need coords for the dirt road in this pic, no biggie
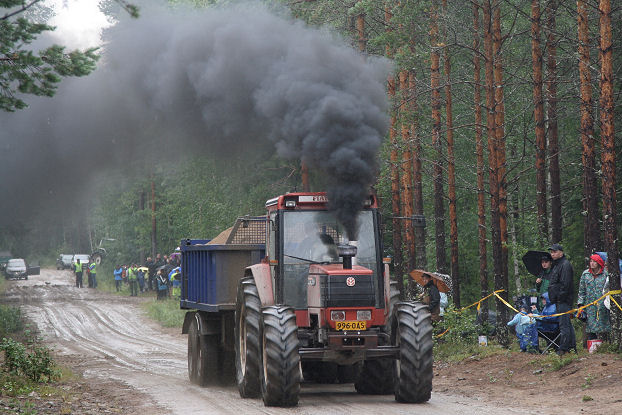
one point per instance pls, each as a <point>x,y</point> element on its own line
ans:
<point>107,337</point>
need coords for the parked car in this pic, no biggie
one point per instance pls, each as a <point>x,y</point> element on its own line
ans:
<point>4,258</point>
<point>84,258</point>
<point>17,268</point>
<point>64,261</point>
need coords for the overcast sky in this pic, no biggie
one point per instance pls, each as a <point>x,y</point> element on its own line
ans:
<point>79,23</point>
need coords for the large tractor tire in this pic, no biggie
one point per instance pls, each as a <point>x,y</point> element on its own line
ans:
<point>247,338</point>
<point>280,362</point>
<point>376,376</point>
<point>97,257</point>
<point>203,356</point>
<point>413,370</point>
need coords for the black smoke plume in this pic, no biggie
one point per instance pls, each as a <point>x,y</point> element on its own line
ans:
<point>216,80</point>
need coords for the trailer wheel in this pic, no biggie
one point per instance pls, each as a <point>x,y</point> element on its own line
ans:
<point>208,360</point>
<point>413,370</point>
<point>193,352</point>
<point>247,329</point>
<point>281,372</point>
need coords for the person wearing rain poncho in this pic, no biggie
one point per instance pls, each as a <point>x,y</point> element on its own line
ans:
<point>175,278</point>
<point>591,287</point>
<point>526,331</point>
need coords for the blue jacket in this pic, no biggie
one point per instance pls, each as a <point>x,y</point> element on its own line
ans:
<point>548,324</point>
<point>525,331</point>
<point>118,274</point>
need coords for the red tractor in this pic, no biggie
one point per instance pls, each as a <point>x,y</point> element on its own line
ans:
<point>323,307</point>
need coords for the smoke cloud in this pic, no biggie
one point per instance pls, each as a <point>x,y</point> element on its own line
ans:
<point>215,81</point>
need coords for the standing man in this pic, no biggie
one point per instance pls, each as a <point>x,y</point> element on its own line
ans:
<point>92,274</point>
<point>132,278</point>
<point>432,297</point>
<point>77,268</point>
<point>561,293</point>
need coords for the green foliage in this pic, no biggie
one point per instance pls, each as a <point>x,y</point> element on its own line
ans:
<point>166,312</point>
<point>10,320</point>
<point>34,362</point>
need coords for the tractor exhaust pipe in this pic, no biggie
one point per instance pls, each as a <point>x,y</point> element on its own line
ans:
<point>347,252</point>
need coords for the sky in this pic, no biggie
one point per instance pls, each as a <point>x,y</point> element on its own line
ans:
<point>79,23</point>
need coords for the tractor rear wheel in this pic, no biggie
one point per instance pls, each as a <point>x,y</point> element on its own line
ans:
<point>280,362</point>
<point>413,370</point>
<point>208,359</point>
<point>247,332</point>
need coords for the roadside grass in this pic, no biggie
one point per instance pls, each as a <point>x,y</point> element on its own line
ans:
<point>166,312</point>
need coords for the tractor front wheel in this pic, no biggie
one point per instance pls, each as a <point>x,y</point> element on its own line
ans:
<point>413,370</point>
<point>281,372</point>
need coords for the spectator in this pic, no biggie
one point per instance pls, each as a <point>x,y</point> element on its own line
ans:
<point>162,284</point>
<point>432,297</point>
<point>151,266</point>
<point>92,274</point>
<point>77,268</point>
<point>526,331</point>
<point>118,277</point>
<point>561,293</point>
<point>175,279</point>
<point>132,278</point>
<point>140,273</point>
<point>591,286</point>
<point>543,280</point>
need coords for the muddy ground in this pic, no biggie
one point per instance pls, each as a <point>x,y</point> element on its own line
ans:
<point>127,364</point>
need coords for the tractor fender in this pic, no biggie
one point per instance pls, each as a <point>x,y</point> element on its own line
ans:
<point>263,280</point>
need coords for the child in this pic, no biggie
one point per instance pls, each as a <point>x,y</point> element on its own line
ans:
<point>525,330</point>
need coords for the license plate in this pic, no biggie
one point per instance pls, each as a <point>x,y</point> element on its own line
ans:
<point>351,325</point>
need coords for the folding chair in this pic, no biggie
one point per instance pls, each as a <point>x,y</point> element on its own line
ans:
<point>548,330</point>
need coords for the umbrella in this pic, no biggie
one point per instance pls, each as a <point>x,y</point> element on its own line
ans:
<point>143,269</point>
<point>437,279</point>
<point>533,261</point>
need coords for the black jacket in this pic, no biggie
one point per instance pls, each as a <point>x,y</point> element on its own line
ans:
<point>561,288</point>
<point>435,297</point>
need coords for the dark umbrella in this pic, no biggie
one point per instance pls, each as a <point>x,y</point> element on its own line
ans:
<point>533,261</point>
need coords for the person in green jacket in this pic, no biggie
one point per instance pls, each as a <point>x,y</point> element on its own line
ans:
<point>543,280</point>
<point>132,278</point>
<point>77,268</point>
<point>92,274</point>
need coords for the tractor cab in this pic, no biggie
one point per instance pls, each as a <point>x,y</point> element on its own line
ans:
<point>331,282</point>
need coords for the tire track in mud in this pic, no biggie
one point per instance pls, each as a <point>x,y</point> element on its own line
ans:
<point>111,339</point>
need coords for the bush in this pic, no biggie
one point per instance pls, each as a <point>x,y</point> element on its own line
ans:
<point>37,364</point>
<point>10,320</point>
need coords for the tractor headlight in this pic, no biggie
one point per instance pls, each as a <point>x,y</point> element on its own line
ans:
<point>363,315</point>
<point>337,315</point>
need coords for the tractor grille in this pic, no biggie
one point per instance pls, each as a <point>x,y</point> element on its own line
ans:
<point>337,293</point>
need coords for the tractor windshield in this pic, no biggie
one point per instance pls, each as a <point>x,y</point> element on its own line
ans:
<point>313,236</point>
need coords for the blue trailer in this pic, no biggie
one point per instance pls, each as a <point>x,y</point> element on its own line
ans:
<point>211,271</point>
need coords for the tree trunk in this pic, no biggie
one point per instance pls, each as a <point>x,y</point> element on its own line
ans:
<point>591,226</point>
<point>439,203</point>
<point>495,229</point>
<point>536,59</point>
<point>420,232</point>
<point>451,174</point>
<point>406,170</point>
<point>154,243</point>
<point>360,31</point>
<point>551,84</point>
<point>609,164</point>
<point>395,175</point>
<point>479,150</point>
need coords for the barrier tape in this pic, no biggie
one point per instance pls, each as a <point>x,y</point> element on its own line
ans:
<point>609,294</point>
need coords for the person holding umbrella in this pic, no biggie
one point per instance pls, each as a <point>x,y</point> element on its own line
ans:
<point>544,277</point>
<point>432,297</point>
